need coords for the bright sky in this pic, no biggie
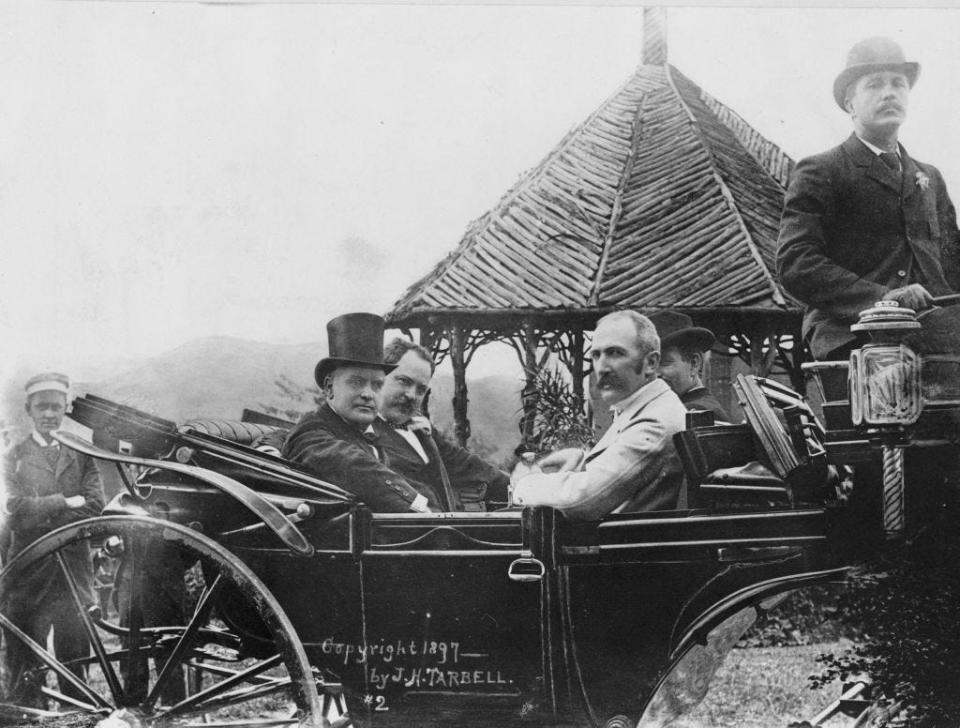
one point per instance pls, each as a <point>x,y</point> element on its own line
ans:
<point>176,170</point>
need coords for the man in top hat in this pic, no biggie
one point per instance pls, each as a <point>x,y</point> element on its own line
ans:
<point>463,480</point>
<point>865,221</point>
<point>684,349</point>
<point>634,466</point>
<point>339,442</point>
<point>48,486</point>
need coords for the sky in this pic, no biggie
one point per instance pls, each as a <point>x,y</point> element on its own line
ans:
<point>176,170</point>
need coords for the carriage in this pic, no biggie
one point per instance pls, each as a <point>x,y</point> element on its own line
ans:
<point>236,589</point>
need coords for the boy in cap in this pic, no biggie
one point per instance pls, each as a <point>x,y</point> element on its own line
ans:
<point>47,486</point>
<point>865,221</point>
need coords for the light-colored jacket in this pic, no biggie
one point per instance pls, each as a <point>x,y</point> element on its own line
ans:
<point>634,466</point>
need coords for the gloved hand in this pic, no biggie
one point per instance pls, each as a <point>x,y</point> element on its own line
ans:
<point>913,296</point>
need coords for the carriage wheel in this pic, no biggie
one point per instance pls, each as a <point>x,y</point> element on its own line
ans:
<point>156,647</point>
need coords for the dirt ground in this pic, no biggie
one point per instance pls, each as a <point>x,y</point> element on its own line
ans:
<point>762,687</point>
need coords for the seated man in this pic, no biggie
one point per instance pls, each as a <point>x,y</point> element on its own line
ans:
<point>416,450</point>
<point>683,354</point>
<point>865,221</point>
<point>634,466</point>
<point>338,442</point>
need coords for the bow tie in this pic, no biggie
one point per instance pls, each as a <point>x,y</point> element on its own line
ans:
<point>370,436</point>
<point>402,426</point>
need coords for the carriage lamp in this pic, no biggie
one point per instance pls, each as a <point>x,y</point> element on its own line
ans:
<point>885,385</point>
<point>885,373</point>
<point>885,393</point>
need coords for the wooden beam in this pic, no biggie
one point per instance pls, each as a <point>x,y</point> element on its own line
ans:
<point>461,425</point>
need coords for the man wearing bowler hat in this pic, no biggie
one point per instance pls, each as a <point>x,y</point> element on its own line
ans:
<point>339,442</point>
<point>865,221</point>
<point>683,354</point>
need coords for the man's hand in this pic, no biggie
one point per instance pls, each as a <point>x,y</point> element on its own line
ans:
<point>75,501</point>
<point>561,461</point>
<point>419,423</point>
<point>913,296</point>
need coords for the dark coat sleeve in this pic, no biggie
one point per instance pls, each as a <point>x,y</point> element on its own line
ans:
<point>350,466</point>
<point>469,473</point>
<point>89,485</point>
<point>805,266</point>
<point>949,233</point>
<point>26,507</point>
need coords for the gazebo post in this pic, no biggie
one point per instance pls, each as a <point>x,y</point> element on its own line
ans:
<point>530,388</point>
<point>427,338</point>
<point>576,364</point>
<point>461,424</point>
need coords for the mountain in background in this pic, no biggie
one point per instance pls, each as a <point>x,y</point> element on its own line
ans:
<point>220,376</point>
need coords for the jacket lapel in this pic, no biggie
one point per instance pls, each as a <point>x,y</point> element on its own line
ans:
<point>871,165</point>
<point>67,458</point>
<point>910,174</point>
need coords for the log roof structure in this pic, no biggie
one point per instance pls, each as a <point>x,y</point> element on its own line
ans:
<point>663,198</point>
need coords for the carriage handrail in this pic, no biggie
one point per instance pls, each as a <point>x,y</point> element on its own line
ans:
<point>263,509</point>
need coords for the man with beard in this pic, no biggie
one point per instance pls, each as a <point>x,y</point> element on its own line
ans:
<point>634,466</point>
<point>339,442</point>
<point>460,479</point>
<point>866,222</point>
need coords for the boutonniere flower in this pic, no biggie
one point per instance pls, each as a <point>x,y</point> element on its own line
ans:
<point>922,181</point>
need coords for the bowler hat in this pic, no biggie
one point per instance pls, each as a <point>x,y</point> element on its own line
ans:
<point>354,339</point>
<point>867,56</point>
<point>677,330</point>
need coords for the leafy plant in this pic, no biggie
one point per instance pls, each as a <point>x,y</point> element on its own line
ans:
<point>559,419</point>
<point>907,607</point>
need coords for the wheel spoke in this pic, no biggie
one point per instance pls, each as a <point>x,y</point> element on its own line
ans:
<point>53,663</point>
<point>244,723</point>
<point>108,673</point>
<point>63,698</point>
<point>136,663</point>
<point>199,698</point>
<point>250,693</point>
<point>219,670</point>
<point>205,604</point>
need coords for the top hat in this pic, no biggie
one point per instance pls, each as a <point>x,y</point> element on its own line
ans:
<point>48,382</point>
<point>867,56</point>
<point>677,330</point>
<point>354,339</point>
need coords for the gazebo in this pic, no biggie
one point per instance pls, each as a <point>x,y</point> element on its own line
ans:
<point>663,198</point>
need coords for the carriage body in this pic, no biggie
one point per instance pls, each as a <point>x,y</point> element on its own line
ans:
<point>517,616</point>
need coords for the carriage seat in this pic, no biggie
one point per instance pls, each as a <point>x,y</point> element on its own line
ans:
<point>773,460</point>
<point>242,433</point>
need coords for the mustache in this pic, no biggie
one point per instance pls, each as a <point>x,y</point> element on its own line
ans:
<point>608,379</point>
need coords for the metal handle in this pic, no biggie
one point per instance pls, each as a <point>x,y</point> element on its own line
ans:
<point>526,569</point>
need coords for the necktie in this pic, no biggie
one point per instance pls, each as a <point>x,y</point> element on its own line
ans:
<point>892,160</point>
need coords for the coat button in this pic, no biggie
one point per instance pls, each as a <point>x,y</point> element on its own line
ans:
<point>902,273</point>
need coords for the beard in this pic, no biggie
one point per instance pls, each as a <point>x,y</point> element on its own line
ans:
<point>401,409</point>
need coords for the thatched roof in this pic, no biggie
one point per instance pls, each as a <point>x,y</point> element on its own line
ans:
<point>662,198</point>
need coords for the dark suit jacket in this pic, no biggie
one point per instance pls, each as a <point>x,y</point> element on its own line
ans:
<point>325,444</point>
<point>36,504</point>
<point>473,479</point>
<point>700,398</point>
<point>851,232</point>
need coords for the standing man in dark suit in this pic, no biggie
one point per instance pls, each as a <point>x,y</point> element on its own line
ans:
<point>48,486</point>
<point>683,356</point>
<point>464,481</point>
<point>865,222</point>
<point>338,442</point>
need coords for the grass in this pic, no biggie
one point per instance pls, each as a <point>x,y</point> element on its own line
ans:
<point>766,687</point>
